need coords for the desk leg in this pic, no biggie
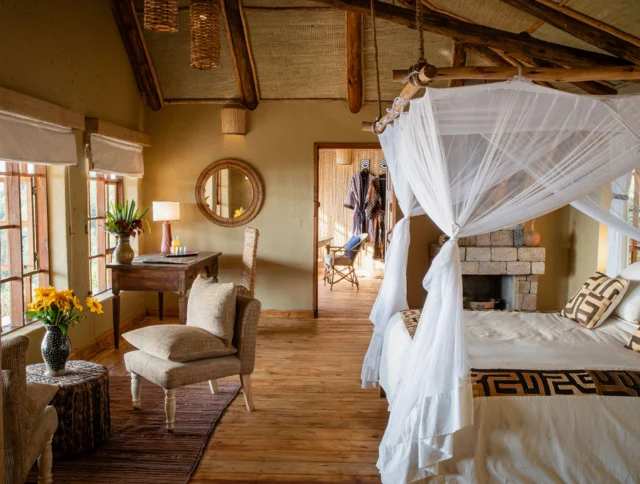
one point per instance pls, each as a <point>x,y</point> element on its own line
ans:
<point>116,319</point>
<point>182,308</point>
<point>160,305</point>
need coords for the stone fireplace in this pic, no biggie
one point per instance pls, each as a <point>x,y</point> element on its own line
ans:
<point>499,266</point>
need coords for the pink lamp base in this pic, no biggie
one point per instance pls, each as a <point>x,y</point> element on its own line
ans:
<point>165,248</point>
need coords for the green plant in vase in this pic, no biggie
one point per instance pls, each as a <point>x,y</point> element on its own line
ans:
<point>125,221</point>
<point>58,310</point>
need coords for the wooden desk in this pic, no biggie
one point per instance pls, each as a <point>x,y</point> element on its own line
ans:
<point>166,276</point>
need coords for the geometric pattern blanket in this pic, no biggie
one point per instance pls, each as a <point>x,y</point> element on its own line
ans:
<point>510,382</point>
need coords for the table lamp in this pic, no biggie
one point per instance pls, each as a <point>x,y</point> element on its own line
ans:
<point>166,212</point>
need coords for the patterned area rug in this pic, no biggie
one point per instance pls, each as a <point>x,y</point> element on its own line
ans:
<point>140,450</point>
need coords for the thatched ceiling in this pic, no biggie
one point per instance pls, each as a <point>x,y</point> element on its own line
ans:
<point>300,54</point>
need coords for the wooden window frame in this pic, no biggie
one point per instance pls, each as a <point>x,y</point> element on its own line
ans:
<point>103,181</point>
<point>36,222</point>
<point>634,245</point>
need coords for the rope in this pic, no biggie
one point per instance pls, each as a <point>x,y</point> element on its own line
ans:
<point>421,59</point>
<point>375,51</point>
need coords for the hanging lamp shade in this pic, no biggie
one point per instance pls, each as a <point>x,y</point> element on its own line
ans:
<point>161,15</point>
<point>343,157</point>
<point>234,120</point>
<point>205,34</point>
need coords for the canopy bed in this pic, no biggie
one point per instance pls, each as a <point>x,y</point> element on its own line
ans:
<point>477,159</point>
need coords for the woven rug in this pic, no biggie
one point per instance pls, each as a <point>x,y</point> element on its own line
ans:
<point>140,450</point>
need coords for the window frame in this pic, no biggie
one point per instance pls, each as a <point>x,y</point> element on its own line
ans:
<point>37,225</point>
<point>104,249</point>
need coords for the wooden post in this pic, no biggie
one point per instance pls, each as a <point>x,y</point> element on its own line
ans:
<point>458,59</point>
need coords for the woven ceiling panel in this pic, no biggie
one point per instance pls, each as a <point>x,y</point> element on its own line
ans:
<point>398,49</point>
<point>280,3</point>
<point>621,14</point>
<point>491,13</point>
<point>299,54</point>
<point>178,80</point>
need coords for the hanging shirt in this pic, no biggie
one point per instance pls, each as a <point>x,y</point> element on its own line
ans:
<point>363,197</point>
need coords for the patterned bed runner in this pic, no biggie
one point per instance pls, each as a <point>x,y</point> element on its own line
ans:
<point>509,383</point>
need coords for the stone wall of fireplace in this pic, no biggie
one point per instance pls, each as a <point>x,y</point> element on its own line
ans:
<point>504,254</point>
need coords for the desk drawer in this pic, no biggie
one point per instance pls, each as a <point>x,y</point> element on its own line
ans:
<point>155,280</point>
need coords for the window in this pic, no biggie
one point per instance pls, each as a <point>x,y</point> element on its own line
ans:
<point>103,191</point>
<point>24,239</point>
<point>634,205</point>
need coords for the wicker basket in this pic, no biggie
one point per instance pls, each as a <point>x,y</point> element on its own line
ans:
<point>205,34</point>
<point>161,15</point>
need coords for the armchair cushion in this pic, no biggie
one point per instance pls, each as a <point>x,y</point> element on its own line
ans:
<point>39,395</point>
<point>176,342</point>
<point>212,307</point>
<point>353,242</point>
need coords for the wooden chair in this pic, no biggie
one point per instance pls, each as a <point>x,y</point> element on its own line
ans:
<point>338,263</point>
<point>249,256</point>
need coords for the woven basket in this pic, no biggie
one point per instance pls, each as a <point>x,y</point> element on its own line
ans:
<point>161,15</point>
<point>205,34</point>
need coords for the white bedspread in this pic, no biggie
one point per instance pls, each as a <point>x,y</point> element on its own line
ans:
<point>578,439</point>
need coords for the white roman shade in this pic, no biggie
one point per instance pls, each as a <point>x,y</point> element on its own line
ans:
<point>27,140</point>
<point>109,155</point>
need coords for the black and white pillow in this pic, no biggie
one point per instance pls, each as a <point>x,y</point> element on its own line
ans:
<point>595,300</point>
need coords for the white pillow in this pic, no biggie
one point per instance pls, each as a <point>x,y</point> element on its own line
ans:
<point>629,307</point>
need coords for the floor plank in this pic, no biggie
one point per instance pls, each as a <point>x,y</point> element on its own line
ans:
<point>313,422</point>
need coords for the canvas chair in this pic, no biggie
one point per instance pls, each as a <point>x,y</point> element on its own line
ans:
<point>29,420</point>
<point>339,262</point>
<point>249,257</point>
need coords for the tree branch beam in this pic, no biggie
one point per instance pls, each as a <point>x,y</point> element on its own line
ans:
<point>458,59</point>
<point>466,32</point>
<point>593,35</point>
<point>136,48</point>
<point>238,38</point>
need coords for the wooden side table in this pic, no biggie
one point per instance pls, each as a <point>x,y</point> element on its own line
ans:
<point>153,272</point>
<point>82,403</point>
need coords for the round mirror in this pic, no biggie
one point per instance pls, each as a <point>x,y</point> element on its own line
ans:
<point>229,193</point>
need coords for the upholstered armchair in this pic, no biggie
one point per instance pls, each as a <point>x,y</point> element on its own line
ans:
<point>29,423</point>
<point>172,356</point>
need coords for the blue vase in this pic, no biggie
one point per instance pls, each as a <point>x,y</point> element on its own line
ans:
<point>56,348</point>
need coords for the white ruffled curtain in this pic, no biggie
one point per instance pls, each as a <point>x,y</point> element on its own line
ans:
<point>479,159</point>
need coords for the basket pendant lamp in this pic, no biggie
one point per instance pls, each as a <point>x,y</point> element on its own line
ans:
<point>205,34</point>
<point>161,15</point>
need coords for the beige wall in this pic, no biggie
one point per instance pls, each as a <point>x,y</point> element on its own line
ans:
<point>69,52</point>
<point>584,241</point>
<point>279,144</point>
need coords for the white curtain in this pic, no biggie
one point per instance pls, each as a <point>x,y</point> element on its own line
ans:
<point>478,159</point>
<point>28,140</point>
<point>392,296</point>
<point>109,155</point>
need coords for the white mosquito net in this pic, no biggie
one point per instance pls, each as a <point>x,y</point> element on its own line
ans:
<point>478,159</point>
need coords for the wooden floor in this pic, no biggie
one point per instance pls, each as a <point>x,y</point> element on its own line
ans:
<point>312,421</point>
<point>346,301</point>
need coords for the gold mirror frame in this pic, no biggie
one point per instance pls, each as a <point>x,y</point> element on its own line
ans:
<point>256,185</point>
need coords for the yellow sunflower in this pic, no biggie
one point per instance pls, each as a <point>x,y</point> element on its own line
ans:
<point>93,304</point>
<point>76,303</point>
<point>44,292</point>
<point>61,300</point>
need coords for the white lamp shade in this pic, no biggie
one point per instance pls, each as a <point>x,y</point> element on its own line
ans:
<point>166,211</point>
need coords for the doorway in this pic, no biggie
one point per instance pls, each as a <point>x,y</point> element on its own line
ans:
<point>350,174</point>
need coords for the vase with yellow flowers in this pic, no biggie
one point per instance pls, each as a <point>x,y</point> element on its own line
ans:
<point>58,310</point>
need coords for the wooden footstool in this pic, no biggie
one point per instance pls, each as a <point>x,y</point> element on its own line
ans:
<point>82,403</point>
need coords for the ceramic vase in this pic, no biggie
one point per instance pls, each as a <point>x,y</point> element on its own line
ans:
<point>123,253</point>
<point>532,236</point>
<point>55,348</point>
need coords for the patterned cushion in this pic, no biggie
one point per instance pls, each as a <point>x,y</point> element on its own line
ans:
<point>176,342</point>
<point>212,307</point>
<point>634,341</point>
<point>411,318</point>
<point>595,300</point>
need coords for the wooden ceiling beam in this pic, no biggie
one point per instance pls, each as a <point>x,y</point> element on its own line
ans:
<point>583,31</point>
<point>466,32</point>
<point>238,37</point>
<point>136,48</point>
<point>550,74</point>
<point>355,69</point>
<point>458,59</point>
